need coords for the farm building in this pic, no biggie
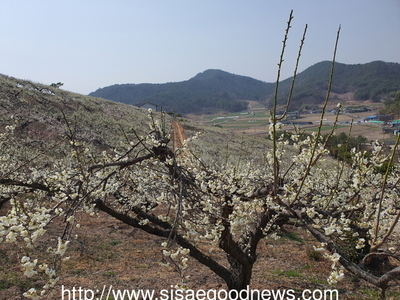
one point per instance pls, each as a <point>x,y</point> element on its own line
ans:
<point>293,115</point>
<point>147,105</point>
<point>383,118</point>
<point>396,123</point>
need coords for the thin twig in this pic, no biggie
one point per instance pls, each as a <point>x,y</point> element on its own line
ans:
<point>379,210</point>
<point>313,160</point>
<point>275,103</point>
<point>294,76</point>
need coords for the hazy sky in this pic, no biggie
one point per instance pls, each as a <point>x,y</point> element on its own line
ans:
<point>87,44</point>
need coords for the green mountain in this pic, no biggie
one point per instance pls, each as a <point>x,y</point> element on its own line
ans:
<point>214,90</point>
<point>204,93</point>
<point>370,81</point>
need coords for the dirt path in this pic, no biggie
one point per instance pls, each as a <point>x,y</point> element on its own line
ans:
<point>178,134</point>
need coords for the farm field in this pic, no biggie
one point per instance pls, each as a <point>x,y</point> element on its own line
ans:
<point>254,121</point>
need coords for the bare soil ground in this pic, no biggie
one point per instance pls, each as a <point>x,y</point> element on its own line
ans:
<point>110,253</point>
<point>178,134</point>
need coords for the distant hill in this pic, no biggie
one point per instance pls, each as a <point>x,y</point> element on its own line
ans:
<point>214,90</point>
<point>204,93</point>
<point>370,81</point>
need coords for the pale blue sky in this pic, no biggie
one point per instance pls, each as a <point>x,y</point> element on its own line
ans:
<point>87,44</point>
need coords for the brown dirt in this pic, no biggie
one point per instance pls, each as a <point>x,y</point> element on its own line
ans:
<point>178,134</point>
<point>110,253</point>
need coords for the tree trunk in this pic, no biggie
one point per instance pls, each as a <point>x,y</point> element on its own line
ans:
<point>240,275</point>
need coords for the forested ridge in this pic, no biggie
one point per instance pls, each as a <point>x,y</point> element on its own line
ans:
<point>371,81</point>
<point>214,90</point>
<point>206,92</point>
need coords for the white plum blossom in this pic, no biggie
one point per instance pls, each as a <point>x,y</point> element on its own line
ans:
<point>206,196</point>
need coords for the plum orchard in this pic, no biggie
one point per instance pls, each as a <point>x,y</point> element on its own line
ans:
<point>230,204</point>
<point>192,197</point>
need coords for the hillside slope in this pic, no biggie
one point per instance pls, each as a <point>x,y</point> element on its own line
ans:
<point>43,113</point>
<point>214,90</point>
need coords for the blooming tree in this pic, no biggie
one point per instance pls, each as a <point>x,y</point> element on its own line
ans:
<point>228,202</point>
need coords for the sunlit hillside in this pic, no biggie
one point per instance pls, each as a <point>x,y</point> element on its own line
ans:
<point>42,112</point>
